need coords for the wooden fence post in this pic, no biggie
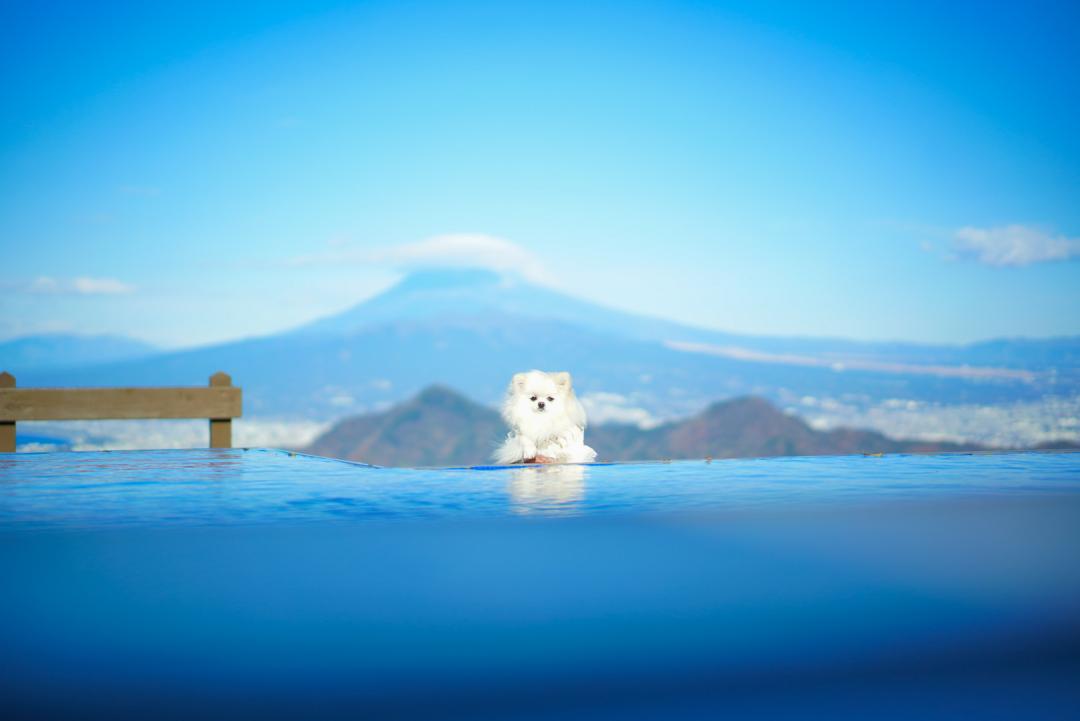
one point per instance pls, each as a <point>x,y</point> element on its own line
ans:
<point>7,428</point>
<point>220,428</point>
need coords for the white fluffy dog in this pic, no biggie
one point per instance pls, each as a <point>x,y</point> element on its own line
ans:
<point>547,422</point>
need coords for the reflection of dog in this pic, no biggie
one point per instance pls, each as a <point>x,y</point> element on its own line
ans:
<point>547,489</point>
<point>547,422</point>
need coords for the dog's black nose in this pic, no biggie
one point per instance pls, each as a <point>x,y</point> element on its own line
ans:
<point>541,404</point>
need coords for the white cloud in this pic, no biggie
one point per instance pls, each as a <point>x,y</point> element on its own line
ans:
<point>1013,245</point>
<point>457,250</point>
<point>44,284</point>
<point>101,286</point>
<point>462,249</point>
<point>82,285</point>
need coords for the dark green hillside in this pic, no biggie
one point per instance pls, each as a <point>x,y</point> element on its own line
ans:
<point>440,428</point>
<point>436,428</point>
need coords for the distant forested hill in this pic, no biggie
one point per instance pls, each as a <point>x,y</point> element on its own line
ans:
<point>439,427</point>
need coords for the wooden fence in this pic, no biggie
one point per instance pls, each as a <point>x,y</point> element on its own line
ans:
<point>220,402</point>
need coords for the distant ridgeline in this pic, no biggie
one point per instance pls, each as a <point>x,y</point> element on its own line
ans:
<point>439,427</point>
<point>68,351</point>
<point>471,330</point>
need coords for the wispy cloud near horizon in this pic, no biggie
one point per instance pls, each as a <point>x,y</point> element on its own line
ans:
<point>82,285</point>
<point>1013,246</point>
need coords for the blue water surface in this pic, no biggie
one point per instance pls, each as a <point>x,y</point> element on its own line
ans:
<point>267,584</point>
<point>224,486</point>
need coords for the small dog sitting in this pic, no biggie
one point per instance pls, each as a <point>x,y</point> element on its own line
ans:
<point>547,422</point>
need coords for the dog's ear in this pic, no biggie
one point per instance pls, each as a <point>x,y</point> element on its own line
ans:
<point>562,379</point>
<point>518,381</point>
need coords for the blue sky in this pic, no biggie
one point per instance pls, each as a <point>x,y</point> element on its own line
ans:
<point>187,173</point>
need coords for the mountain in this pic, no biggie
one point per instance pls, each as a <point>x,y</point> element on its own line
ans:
<point>472,329</point>
<point>467,295</point>
<point>439,427</point>
<point>747,427</point>
<point>454,296</point>
<point>436,428</point>
<point>37,352</point>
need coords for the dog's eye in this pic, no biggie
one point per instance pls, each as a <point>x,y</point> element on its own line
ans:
<point>533,398</point>
<point>550,398</point>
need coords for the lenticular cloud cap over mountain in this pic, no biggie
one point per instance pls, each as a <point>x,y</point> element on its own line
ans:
<point>464,250</point>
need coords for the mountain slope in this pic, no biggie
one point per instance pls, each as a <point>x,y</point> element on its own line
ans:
<point>474,329</point>
<point>442,428</point>
<point>52,350</point>
<point>454,295</point>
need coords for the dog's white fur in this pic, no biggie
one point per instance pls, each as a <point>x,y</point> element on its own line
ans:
<point>547,422</point>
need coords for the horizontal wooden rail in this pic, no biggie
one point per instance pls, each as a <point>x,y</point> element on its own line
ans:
<point>93,404</point>
<point>220,403</point>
